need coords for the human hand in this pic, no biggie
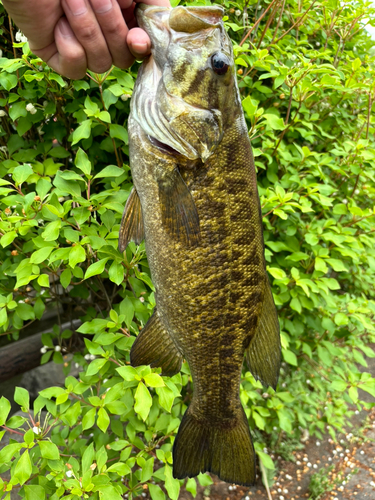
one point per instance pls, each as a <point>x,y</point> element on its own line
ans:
<point>75,35</point>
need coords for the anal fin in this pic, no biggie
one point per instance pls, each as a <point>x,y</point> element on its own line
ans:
<point>179,213</point>
<point>131,228</point>
<point>264,352</point>
<point>155,347</point>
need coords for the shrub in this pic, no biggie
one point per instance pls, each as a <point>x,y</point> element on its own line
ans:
<point>306,73</point>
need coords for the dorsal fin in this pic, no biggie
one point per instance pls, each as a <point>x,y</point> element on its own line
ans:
<point>193,19</point>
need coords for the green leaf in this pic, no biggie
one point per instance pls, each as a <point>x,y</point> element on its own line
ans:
<point>43,280</point>
<point>4,410</point>
<point>103,420</point>
<point>22,173</point>
<point>290,357</point>
<point>118,132</point>
<point>8,238</point>
<point>110,171</point>
<point>275,122</point>
<point>77,254</point>
<point>143,401</point>
<point>116,273</point>
<point>250,106</point>
<point>341,319</point>
<point>266,460</point>
<point>89,419</point>
<point>65,277</point>
<point>21,396</point>
<point>276,272</point>
<point>156,492</point>
<point>40,255</point>
<point>95,366</point>
<point>49,450</point>
<point>82,132</point>
<point>23,469</point>
<point>172,485</point>
<point>154,380</point>
<point>82,162</point>
<point>96,268</point>
<point>34,492</point>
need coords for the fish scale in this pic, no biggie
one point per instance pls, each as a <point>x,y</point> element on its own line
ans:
<point>195,198</point>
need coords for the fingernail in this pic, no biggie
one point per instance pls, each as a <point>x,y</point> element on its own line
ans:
<point>140,48</point>
<point>102,6</point>
<point>65,28</point>
<point>78,7</point>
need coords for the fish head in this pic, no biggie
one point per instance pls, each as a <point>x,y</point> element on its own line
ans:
<point>186,91</point>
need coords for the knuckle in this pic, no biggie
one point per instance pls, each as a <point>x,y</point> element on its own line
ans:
<point>87,34</point>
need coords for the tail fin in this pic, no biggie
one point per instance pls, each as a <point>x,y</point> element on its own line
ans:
<point>224,448</point>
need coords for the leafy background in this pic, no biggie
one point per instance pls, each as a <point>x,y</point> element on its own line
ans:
<point>306,75</point>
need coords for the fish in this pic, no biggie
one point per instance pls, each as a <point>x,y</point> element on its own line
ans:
<point>196,205</point>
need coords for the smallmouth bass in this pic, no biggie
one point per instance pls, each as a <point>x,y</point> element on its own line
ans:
<point>195,202</point>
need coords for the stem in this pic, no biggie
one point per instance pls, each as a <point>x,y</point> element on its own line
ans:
<point>258,21</point>
<point>265,479</point>
<point>297,23</point>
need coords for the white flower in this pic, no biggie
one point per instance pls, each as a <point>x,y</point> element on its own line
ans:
<point>293,57</point>
<point>57,348</point>
<point>238,12</point>
<point>87,357</point>
<point>92,357</point>
<point>2,113</point>
<point>317,44</point>
<point>76,365</point>
<point>125,97</point>
<point>345,201</point>
<point>20,37</point>
<point>36,430</point>
<point>43,350</point>
<point>308,464</point>
<point>30,108</point>
<point>317,443</point>
<point>69,473</point>
<point>329,459</point>
<point>315,466</point>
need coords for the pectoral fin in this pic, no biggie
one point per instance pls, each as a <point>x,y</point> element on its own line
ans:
<point>264,352</point>
<point>131,228</point>
<point>179,213</point>
<point>155,347</point>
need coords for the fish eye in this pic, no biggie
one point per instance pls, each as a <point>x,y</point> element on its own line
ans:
<point>220,63</point>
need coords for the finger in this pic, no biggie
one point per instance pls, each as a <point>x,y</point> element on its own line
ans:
<point>139,43</point>
<point>114,29</point>
<point>66,55</point>
<point>160,3</point>
<point>86,28</point>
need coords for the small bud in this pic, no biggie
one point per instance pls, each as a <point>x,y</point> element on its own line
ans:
<point>231,11</point>
<point>14,252</point>
<point>108,446</point>
<point>282,96</point>
<point>90,208</point>
<point>36,198</point>
<point>240,71</point>
<point>125,97</point>
<point>7,211</point>
<point>93,466</point>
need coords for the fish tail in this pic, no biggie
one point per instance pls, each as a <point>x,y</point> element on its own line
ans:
<point>223,448</point>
